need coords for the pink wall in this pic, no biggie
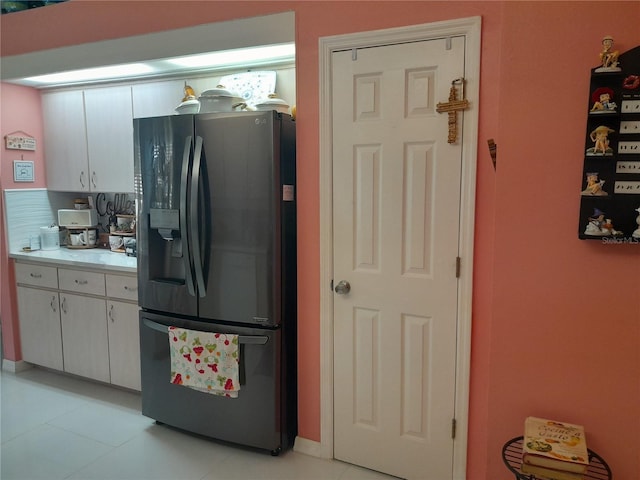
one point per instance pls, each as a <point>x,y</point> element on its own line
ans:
<point>548,322</point>
<point>20,110</point>
<point>535,282</point>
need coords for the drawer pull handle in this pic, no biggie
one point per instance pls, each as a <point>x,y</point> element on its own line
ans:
<point>35,275</point>
<point>81,282</point>
<point>131,289</point>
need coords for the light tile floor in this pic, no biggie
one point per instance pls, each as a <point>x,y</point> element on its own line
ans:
<point>60,427</point>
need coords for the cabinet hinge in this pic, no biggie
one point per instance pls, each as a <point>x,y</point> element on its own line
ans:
<point>458,263</point>
<point>331,286</point>
<point>453,428</point>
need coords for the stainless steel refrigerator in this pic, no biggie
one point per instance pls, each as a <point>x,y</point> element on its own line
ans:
<point>216,253</point>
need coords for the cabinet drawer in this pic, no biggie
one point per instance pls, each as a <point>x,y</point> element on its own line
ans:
<point>121,286</point>
<point>36,275</point>
<point>78,281</point>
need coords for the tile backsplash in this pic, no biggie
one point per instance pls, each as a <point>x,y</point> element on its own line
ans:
<point>28,209</point>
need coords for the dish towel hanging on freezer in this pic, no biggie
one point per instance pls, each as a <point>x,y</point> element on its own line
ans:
<point>205,361</point>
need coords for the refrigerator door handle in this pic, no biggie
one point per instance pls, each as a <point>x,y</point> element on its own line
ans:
<point>184,177</point>
<point>243,339</point>
<point>193,221</point>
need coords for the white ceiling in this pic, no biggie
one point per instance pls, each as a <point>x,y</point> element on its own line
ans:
<point>154,47</point>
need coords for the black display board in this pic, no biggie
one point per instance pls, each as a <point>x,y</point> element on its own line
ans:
<point>610,188</point>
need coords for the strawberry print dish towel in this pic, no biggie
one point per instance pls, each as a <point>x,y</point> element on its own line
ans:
<point>205,361</point>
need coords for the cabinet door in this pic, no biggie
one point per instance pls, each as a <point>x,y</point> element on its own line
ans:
<point>110,138</point>
<point>85,338</point>
<point>157,99</point>
<point>38,311</point>
<point>65,141</point>
<point>124,344</point>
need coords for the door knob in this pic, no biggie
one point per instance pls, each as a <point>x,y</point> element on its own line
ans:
<point>343,287</point>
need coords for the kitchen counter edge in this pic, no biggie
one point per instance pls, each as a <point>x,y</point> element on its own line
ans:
<point>94,258</point>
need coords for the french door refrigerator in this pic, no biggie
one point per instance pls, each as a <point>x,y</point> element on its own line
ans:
<point>217,253</point>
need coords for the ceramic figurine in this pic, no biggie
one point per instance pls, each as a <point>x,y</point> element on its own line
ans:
<point>608,56</point>
<point>599,226</point>
<point>601,141</point>
<point>636,232</point>
<point>594,185</point>
<point>602,101</point>
<point>594,227</point>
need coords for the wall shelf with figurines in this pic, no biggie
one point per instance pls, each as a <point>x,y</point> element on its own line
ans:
<point>610,193</point>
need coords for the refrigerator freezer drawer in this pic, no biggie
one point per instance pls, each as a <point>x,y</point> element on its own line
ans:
<point>257,418</point>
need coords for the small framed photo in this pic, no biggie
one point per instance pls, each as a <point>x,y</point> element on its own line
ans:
<point>23,171</point>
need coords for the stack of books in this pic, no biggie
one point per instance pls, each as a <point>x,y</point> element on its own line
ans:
<point>554,450</point>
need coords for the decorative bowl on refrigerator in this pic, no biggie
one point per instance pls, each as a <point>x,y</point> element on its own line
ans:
<point>219,99</point>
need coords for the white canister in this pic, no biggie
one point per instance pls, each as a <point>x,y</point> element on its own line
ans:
<point>49,238</point>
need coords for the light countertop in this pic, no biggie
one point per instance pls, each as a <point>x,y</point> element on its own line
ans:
<point>95,258</point>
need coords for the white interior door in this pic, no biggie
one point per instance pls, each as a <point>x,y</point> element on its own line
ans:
<point>396,211</point>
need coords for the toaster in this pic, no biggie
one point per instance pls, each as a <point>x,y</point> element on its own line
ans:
<point>87,217</point>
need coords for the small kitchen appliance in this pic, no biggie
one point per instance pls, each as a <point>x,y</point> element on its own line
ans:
<point>78,218</point>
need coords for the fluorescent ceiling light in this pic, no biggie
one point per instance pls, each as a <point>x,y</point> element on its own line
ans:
<point>92,74</point>
<point>241,56</point>
<point>204,62</point>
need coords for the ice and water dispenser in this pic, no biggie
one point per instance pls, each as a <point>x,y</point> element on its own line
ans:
<point>162,148</point>
<point>166,235</point>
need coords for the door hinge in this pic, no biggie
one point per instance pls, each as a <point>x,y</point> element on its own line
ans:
<point>453,428</point>
<point>331,287</point>
<point>458,265</point>
<point>354,54</point>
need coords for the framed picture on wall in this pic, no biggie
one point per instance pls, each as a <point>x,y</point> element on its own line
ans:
<point>23,171</point>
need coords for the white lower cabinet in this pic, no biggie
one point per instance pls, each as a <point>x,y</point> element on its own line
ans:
<point>124,344</point>
<point>84,336</point>
<point>80,321</point>
<point>40,327</point>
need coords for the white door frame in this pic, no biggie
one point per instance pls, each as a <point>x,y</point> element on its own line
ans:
<point>471,29</point>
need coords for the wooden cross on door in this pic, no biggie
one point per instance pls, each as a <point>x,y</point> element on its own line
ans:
<point>452,107</point>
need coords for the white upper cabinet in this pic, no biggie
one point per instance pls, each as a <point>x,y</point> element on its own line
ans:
<point>65,141</point>
<point>109,116</point>
<point>157,99</point>
<point>88,138</point>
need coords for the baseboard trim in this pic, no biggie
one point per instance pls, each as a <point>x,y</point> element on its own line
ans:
<point>15,367</point>
<point>310,447</point>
